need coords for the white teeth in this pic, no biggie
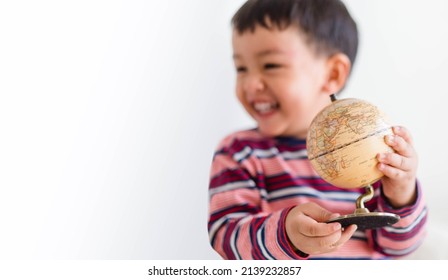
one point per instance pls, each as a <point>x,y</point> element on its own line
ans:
<point>264,107</point>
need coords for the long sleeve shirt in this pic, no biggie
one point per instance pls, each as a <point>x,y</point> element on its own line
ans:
<point>255,181</point>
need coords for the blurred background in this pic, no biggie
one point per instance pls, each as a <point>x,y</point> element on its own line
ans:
<point>110,112</point>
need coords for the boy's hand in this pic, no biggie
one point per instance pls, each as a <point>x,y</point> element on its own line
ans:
<point>308,232</point>
<point>399,168</point>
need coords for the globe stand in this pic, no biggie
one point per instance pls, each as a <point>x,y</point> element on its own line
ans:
<point>363,218</point>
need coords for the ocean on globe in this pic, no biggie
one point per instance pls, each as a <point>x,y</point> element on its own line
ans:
<point>343,142</point>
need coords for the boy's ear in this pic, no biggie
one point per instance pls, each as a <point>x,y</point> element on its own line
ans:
<point>338,66</point>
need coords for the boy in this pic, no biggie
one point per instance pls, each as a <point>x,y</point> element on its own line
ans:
<point>266,201</point>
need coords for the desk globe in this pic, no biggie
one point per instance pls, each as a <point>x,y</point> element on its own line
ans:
<point>342,143</point>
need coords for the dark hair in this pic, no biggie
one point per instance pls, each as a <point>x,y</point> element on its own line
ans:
<point>326,24</point>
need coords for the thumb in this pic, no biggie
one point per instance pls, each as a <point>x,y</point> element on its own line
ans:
<point>318,213</point>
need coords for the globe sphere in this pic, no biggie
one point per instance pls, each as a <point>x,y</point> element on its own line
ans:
<point>343,141</point>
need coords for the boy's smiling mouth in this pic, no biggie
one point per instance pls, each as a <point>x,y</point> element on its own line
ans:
<point>265,108</point>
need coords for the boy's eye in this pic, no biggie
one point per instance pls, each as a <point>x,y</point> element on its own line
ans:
<point>240,69</point>
<point>271,66</point>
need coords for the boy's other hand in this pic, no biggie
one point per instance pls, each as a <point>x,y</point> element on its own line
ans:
<point>399,168</point>
<point>308,231</point>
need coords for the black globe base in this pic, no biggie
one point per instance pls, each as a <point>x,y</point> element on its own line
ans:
<point>368,220</point>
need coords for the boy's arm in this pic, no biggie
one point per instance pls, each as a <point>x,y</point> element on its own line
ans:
<point>401,194</point>
<point>407,234</point>
<point>238,227</point>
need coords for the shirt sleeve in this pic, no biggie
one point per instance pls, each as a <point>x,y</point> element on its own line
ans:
<point>408,233</point>
<point>238,227</point>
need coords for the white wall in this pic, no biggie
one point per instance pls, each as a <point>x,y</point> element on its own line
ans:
<point>110,112</point>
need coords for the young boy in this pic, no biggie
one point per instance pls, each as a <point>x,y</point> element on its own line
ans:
<point>266,201</point>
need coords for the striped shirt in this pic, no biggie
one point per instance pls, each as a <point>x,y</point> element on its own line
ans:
<point>255,181</point>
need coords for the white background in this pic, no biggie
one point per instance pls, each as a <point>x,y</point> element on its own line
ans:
<point>110,112</point>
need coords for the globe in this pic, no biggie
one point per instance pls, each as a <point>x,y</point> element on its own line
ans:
<point>343,141</point>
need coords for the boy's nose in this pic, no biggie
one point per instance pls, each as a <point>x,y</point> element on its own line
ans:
<point>253,84</point>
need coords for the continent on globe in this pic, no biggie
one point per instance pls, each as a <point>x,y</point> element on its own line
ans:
<point>343,141</point>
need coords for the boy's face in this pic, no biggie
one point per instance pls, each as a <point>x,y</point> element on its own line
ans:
<point>280,80</point>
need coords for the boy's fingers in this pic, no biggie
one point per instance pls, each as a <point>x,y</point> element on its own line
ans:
<point>391,172</point>
<point>312,228</point>
<point>346,235</point>
<point>317,212</point>
<point>404,133</point>
<point>400,145</point>
<point>395,160</point>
